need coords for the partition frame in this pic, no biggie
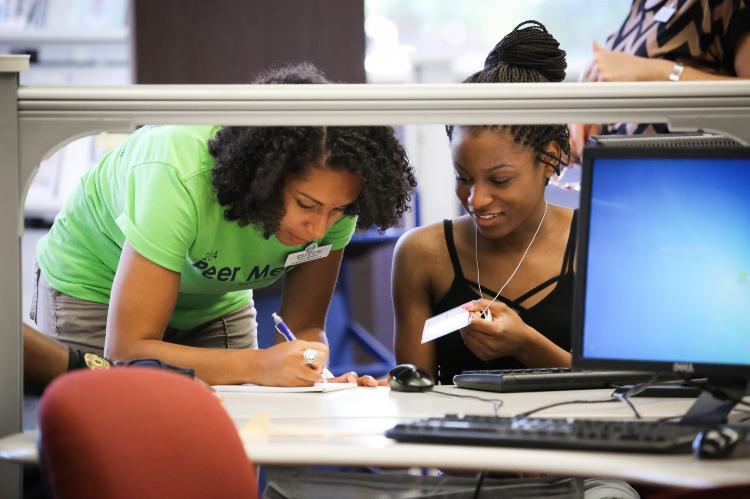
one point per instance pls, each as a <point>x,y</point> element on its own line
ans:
<point>35,121</point>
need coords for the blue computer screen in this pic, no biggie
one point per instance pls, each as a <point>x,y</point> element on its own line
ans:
<point>668,268</point>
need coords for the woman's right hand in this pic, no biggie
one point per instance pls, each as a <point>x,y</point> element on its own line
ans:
<point>504,334</point>
<point>284,364</point>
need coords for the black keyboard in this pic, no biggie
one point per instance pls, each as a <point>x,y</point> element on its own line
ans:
<point>545,379</point>
<point>553,433</point>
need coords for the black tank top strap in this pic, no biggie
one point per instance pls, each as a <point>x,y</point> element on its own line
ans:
<point>567,264</point>
<point>448,228</point>
<point>536,289</point>
<point>570,249</point>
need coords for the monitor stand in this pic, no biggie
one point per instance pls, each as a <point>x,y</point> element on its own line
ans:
<point>716,401</point>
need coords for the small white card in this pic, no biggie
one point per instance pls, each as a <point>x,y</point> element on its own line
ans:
<point>664,14</point>
<point>445,323</point>
<point>312,252</point>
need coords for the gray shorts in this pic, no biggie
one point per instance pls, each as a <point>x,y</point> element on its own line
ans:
<point>82,324</point>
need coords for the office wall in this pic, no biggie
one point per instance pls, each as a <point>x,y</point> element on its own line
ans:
<point>230,41</point>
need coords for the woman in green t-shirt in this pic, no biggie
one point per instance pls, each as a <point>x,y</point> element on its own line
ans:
<point>157,251</point>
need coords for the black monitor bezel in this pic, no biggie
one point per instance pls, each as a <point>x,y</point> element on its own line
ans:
<point>591,154</point>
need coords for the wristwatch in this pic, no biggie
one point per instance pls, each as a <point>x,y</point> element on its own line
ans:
<point>85,360</point>
<point>94,361</point>
<point>676,72</point>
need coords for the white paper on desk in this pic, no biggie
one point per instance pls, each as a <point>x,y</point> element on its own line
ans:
<point>445,323</point>
<point>316,388</point>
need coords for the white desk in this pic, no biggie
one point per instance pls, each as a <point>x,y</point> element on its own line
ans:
<point>366,412</point>
<point>346,428</point>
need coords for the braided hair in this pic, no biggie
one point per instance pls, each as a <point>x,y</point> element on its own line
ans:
<point>253,163</point>
<point>528,54</point>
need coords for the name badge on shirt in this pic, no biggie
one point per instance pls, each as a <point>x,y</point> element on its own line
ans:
<point>664,14</point>
<point>445,323</point>
<point>312,252</point>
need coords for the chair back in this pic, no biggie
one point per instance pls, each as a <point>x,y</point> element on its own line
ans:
<point>131,432</point>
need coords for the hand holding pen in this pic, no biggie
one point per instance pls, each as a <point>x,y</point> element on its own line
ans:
<point>309,355</point>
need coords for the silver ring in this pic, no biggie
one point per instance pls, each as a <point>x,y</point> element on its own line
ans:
<point>310,354</point>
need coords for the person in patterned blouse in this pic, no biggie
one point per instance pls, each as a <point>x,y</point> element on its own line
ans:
<point>676,40</point>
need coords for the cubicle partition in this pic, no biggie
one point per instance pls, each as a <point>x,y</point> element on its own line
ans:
<point>34,121</point>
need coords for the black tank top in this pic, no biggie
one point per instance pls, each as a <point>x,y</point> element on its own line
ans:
<point>551,316</point>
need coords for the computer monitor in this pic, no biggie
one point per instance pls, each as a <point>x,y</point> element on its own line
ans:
<point>663,267</point>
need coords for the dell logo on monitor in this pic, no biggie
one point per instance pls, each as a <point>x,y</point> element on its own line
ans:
<point>682,367</point>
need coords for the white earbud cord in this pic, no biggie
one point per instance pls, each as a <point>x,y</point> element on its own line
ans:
<point>476,259</point>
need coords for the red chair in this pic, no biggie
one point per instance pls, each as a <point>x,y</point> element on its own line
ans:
<point>140,433</point>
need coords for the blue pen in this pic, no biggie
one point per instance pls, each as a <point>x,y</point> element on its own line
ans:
<point>287,333</point>
<point>282,328</point>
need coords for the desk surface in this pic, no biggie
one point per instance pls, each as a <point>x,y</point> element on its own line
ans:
<point>346,428</point>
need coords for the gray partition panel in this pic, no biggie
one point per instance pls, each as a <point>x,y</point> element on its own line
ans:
<point>10,296</point>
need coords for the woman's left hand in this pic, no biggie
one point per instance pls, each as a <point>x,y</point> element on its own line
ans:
<point>352,377</point>
<point>505,334</point>
<point>610,65</point>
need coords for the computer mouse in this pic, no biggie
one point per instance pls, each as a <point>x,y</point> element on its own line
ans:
<point>409,378</point>
<point>719,442</point>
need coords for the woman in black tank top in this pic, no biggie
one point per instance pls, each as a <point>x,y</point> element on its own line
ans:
<point>551,315</point>
<point>520,247</point>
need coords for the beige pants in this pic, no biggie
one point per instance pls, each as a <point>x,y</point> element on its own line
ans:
<point>82,324</point>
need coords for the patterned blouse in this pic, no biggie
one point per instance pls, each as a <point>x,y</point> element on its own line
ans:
<point>701,34</point>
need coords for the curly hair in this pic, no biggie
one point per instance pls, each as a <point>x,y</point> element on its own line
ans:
<point>528,54</point>
<point>253,163</point>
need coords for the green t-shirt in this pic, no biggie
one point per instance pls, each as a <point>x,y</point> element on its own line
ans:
<point>155,191</point>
